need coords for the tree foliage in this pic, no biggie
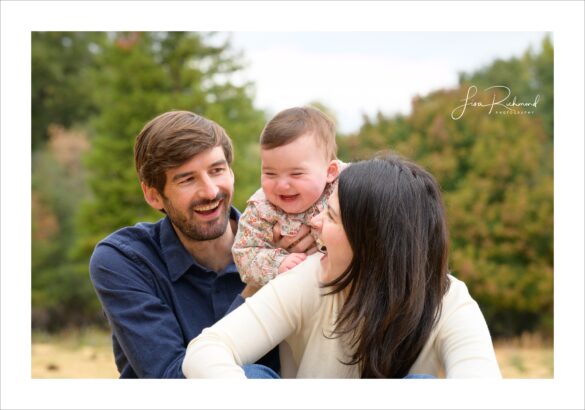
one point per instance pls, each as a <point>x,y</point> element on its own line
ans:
<point>496,172</point>
<point>141,76</point>
<point>60,292</point>
<point>117,87</point>
<point>61,90</point>
<point>93,92</point>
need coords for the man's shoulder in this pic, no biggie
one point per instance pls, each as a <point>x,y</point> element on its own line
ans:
<point>127,250</point>
<point>142,231</point>
<point>133,242</point>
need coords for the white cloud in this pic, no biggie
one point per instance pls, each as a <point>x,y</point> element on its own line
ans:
<point>363,72</point>
<point>349,83</point>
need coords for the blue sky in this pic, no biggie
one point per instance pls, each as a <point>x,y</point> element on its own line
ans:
<point>363,72</point>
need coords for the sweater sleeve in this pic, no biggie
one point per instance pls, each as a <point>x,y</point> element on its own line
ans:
<point>254,253</point>
<point>463,340</point>
<point>246,334</point>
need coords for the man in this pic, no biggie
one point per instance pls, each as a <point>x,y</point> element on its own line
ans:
<point>160,284</point>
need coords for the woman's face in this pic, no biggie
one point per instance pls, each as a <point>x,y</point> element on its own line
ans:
<point>337,250</point>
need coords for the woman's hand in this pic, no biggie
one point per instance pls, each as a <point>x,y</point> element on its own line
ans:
<point>302,242</point>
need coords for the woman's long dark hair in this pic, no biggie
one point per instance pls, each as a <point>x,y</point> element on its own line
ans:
<point>393,215</point>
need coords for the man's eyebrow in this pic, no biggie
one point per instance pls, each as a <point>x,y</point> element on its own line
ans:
<point>182,175</point>
<point>218,162</point>
<point>188,173</point>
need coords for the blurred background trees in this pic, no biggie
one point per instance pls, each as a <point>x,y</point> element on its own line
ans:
<point>93,92</point>
<point>496,172</point>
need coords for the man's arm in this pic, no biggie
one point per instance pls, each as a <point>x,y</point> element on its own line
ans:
<point>265,320</point>
<point>146,328</point>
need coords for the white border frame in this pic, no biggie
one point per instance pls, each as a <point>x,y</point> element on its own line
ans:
<point>18,19</point>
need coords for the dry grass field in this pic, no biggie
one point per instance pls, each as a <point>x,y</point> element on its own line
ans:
<point>88,354</point>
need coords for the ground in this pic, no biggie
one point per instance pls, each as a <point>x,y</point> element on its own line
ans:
<point>88,354</point>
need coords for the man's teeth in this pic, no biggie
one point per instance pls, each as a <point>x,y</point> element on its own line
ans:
<point>207,207</point>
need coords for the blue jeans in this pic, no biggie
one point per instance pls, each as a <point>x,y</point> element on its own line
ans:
<point>259,371</point>
<point>419,376</point>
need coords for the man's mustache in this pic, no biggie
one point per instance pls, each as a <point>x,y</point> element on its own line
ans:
<point>204,202</point>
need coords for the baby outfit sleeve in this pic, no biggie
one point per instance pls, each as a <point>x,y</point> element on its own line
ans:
<point>254,253</point>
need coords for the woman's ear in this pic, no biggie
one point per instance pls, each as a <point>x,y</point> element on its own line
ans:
<point>332,171</point>
<point>152,196</point>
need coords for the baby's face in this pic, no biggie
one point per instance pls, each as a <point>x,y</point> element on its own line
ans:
<point>294,175</point>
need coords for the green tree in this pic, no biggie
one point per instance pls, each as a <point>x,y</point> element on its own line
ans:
<point>59,290</point>
<point>141,76</point>
<point>61,92</point>
<point>530,75</point>
<point>109,85</point>
<point>496,172</point>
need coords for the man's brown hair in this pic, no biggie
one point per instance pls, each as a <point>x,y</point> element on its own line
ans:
<point>292,123</point>
<point>170,140</point>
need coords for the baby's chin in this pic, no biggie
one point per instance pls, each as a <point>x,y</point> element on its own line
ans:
<point>293,207</point>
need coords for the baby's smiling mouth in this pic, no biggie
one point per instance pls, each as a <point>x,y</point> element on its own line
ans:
<point>287,198</point>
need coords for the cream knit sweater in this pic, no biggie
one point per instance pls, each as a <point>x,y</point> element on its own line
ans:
<point>291,311</point>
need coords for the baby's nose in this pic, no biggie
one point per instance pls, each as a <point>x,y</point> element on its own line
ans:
<point>282,184</point>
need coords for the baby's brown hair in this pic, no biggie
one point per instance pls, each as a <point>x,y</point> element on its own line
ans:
<point>292,123</point>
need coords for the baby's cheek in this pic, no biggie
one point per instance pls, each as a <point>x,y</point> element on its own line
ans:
<point>314,191</point>
<point>267,186</point>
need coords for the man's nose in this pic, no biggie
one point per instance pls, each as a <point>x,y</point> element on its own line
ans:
<point>208,189</point>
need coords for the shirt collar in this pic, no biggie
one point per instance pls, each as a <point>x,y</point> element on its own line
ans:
<point>176,257</point>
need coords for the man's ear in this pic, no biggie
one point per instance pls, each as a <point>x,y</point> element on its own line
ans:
<point>332,171</point>
<point>152,196</point>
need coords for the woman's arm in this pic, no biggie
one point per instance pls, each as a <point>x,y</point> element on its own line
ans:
<point>249,332</point>
<point>463,340</point>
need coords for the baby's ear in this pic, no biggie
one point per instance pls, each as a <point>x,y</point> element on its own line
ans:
<point>332,171</point>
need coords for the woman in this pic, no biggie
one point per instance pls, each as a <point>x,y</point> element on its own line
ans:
<point>376,303</point>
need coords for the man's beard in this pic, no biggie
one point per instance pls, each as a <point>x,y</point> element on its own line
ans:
<point>199,231</point>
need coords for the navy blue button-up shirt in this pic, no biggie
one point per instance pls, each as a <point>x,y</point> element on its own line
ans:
<point>157,298</point>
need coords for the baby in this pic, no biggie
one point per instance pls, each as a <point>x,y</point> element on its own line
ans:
<point>299,172</point>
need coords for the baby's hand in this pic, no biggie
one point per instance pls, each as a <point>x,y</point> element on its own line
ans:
<point>291,261</point>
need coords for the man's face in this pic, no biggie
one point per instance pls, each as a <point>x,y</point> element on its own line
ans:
<point>198,195</point>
